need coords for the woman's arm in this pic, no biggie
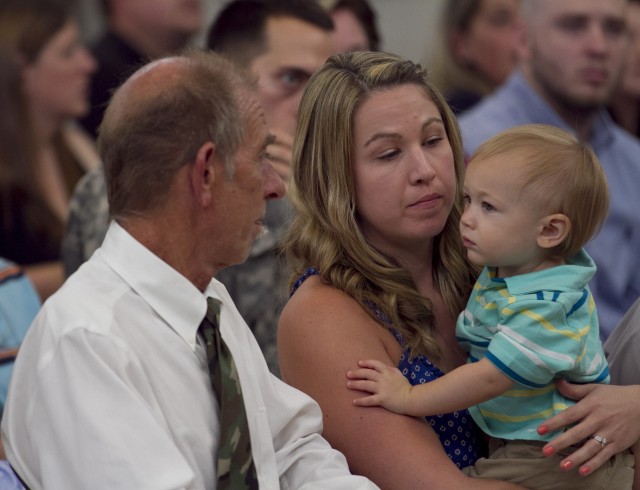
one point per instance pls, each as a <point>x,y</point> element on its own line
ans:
<point>322,334</point>
<point>605,410</point>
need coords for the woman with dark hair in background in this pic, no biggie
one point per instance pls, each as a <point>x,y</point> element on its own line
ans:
<point>44,79</point>
<point>477,51</point>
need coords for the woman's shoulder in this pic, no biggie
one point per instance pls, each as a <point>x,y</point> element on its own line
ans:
<point>315,302</point>
<point>323,322</point>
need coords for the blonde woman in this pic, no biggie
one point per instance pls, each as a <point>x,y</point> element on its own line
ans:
<point>380,272</point>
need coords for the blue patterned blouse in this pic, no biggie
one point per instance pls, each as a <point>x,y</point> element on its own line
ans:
<point>457,432</point>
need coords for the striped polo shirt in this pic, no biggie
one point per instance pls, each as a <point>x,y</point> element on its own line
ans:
<point>534,328</point>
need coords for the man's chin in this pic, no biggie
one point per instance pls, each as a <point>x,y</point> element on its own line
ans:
<point>593,100</point>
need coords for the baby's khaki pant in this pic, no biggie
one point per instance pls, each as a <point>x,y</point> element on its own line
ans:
<point>522,462</point>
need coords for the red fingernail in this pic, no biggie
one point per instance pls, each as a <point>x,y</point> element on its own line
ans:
<point>543,429</point>
<point>584,471</point>
<point>566,466</point>
<point>548,451</point>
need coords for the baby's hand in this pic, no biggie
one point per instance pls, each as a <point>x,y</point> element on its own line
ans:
<point>388,386</point>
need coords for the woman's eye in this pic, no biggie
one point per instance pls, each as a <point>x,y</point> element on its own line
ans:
<point>388,155</point>
<point>434,140</point>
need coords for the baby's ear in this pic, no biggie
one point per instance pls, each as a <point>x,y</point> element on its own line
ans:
<point>555,230</point>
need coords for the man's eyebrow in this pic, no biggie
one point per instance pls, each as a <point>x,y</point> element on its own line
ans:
<point>296,70</point>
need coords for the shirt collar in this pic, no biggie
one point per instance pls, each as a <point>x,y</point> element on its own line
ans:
<point>171,295</point>
<point>602,131</point>
<point>572,276</point>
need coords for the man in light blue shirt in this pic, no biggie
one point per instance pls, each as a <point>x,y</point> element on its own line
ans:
<point>571,65</point>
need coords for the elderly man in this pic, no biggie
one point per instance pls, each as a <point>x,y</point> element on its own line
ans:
<point>140,372</point>
<point>572,62</point>
<point>283,42</point>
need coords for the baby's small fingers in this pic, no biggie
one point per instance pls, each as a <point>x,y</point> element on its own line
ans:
<point>366,401</point>
<point>372,364</point>
<point>362,385</point>
<point>363,374</point>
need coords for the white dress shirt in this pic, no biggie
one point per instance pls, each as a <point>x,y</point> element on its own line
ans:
<point>111,389</point>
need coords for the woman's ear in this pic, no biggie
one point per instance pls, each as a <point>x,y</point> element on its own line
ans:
<point>554,230</point>
<point>202,174</point>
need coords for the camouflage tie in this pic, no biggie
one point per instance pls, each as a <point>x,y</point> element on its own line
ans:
<point>235,466</point>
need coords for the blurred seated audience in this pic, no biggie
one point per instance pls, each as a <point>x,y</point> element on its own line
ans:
<point>355,26</point>
<point>44,80</point>
<point>624,106</point>
<point>477,50</point>
<point>137,31</point>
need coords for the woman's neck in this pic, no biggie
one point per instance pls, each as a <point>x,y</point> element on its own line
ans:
<point>419,263</point>
<point>50,181</point>
<point>48,167</point>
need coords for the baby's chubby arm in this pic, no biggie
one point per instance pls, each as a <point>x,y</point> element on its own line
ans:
<point>461,388</point>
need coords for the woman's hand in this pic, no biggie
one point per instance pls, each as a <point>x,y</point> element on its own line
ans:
<point>608,411</point>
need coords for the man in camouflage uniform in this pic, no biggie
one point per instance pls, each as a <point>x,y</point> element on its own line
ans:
<point>87,223</point>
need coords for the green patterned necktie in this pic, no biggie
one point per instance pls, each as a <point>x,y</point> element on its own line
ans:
<point>235,466</point>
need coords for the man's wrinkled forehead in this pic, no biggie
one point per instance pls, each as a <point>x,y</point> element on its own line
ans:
<point>289,36</point>
<point>553,9</point>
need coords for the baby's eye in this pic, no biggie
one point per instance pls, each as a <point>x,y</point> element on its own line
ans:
<point>487,207</point>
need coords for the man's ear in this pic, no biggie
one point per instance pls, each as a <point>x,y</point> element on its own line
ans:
<point>459,47</point>
<point>202,174</point>
<point>555,230</point>
<point>523,40</point>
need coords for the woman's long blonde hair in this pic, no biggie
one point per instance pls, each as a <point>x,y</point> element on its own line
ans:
<point>325,232</point>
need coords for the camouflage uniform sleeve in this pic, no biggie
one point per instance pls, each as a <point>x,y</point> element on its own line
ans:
<point>88,221</point>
